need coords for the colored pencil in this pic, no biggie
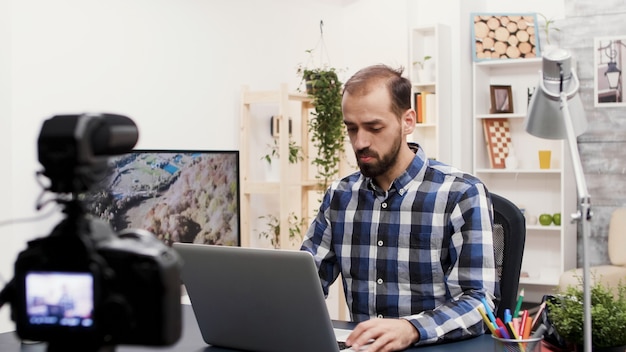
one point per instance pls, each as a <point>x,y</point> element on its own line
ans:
<point>520,298</point>
<point>527,329</point>
<point>486,320</point>
<point>537,316</point>
<point>522,324</point>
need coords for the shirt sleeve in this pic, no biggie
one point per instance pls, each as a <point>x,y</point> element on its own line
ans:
<point>318,242</point>
<point>471,275</point>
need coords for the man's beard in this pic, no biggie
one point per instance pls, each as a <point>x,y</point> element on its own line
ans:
<point>383,164</point>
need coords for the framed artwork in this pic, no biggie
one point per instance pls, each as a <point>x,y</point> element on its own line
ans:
<point>501,99</point>
<point>498,138</point>
<point>504,36</point>
<point>609,61</point>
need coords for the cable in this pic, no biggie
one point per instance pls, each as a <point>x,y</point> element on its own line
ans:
<point>28,219</point>
<point>8,293</point>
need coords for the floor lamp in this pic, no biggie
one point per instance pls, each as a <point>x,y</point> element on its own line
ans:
<point>556,112</point>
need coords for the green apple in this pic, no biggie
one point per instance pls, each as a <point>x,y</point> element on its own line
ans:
<point>556,218</point>
<point>545,219</point>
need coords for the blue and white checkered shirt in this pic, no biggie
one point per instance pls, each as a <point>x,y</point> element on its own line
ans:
<point>423,250</point>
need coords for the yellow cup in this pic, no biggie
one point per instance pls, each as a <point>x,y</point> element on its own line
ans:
<point>544,159</point>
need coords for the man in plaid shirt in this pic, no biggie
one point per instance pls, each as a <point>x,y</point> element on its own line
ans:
<point>411,237</point>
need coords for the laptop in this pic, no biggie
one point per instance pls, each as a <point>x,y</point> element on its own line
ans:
<point>257,299</point>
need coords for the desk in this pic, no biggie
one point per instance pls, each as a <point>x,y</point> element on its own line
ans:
<point>191,341</point>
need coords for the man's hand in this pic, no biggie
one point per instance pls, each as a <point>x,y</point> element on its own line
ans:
<point>388,335</point>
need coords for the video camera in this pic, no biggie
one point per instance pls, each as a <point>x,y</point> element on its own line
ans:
<point>84,287</point>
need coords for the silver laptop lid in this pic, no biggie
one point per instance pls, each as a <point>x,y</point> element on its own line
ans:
<point>257,299</point>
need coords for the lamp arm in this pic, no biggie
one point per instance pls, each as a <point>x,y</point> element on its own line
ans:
<point>581,183</point>
<point>583,215</point>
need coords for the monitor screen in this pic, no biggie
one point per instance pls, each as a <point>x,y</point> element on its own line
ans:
<point>187,196</point>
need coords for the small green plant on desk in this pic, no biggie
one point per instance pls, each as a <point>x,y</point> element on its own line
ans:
<point>608,315</point>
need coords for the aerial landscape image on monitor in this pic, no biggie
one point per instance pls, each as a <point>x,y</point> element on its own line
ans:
<point>179,196</point>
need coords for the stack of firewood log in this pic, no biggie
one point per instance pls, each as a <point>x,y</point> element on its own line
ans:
<point>502,37</point>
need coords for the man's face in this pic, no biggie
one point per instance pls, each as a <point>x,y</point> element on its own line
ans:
<point>375,131</point>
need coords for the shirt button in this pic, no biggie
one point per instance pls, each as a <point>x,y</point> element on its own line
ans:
<point>380,243</point>
<point>384,205</point>
<point>379,281</point>
<point>401,192</point>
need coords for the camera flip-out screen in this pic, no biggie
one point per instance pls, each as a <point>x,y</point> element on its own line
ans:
<point>64,299</point>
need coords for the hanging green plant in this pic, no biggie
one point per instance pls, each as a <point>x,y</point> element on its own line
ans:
<point>326,126</point>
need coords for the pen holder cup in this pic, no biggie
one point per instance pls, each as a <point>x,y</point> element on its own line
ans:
<point>526,345</point>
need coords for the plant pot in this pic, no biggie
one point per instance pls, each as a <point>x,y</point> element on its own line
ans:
<point>420,75</point>
<point>609,349</point>
<point>602,349</point>
<point>314,80</point>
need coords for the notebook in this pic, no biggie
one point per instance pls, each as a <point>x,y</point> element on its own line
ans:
<point>257,299</point>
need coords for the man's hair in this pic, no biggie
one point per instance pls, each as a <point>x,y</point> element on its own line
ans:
<point>399,87</point>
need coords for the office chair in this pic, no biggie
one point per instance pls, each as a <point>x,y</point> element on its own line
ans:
<point>509,236</point>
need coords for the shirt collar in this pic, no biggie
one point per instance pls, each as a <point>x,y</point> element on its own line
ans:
<point>415,171</point>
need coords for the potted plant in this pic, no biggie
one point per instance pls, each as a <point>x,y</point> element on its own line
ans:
<point>273,229</point>
<point>420,72</point>
<point>295,152</point>
<point>547,27</point>
<point>326,128</point>
<point>608,316</point>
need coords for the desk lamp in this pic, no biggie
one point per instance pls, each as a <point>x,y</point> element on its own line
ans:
<point>549,117</point>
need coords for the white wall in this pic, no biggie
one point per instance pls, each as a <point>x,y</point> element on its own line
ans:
<point>6,239</point>
<point>176,67</point>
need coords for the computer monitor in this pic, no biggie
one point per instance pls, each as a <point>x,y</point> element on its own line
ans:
<point>189,196</point>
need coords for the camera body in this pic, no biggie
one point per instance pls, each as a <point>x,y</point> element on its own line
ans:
<point>97,288</point>
<point>84,285</point>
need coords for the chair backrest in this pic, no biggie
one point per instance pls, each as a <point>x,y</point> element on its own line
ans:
<point>617,237</point>
<point>509,237</point>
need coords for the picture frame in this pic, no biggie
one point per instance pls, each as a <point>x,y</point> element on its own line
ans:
<point>609,62</point>
<point>504,36</point>
<point>501,99</point>
<point>145,188</point>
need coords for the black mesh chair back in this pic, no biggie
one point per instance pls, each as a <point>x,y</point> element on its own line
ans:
<point>509,236</point>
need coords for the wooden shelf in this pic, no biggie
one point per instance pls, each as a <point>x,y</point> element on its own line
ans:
<point>292,192</point>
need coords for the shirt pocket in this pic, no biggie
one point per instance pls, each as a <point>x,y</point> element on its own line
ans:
<point>421,261</point>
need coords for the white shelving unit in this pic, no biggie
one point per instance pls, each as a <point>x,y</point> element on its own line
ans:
<point>549,250</point>
<point>434,133</point>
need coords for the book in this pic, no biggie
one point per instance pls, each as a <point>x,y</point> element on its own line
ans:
<point>424,97</point>
<point>418,107</point>
<point>430,114</point>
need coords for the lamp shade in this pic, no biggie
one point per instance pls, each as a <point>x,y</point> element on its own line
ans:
<point>545,118</point>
